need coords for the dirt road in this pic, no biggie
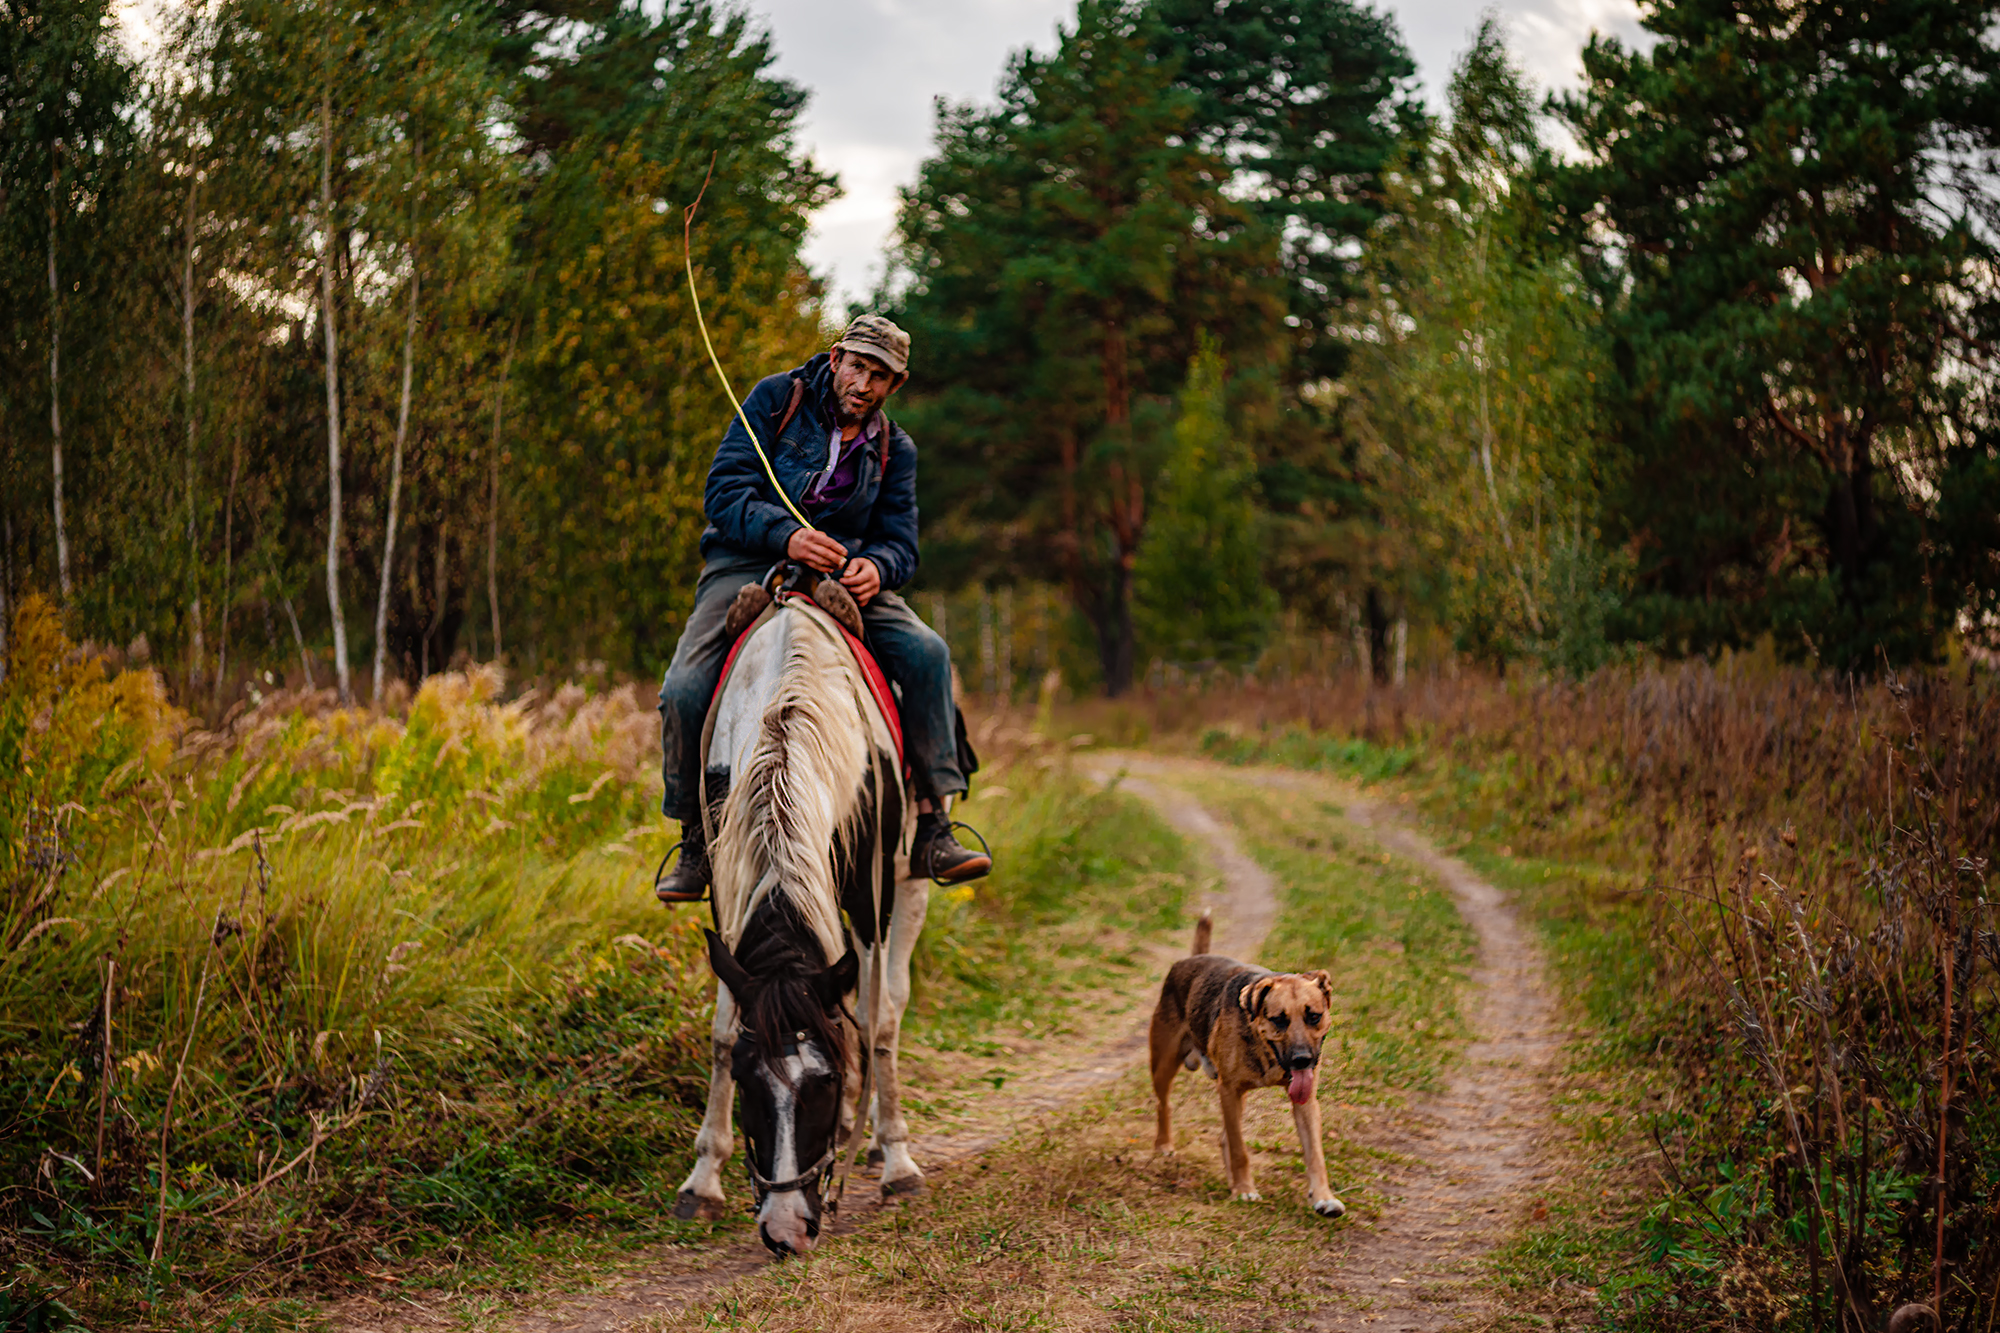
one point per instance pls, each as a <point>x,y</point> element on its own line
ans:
<point>1461,1163</point>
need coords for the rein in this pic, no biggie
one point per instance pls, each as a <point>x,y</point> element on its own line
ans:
<point>878,968</point>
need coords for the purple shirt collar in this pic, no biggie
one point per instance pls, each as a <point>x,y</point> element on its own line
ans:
<point>843,470</point>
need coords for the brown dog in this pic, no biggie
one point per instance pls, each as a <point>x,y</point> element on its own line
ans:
<point>1249,1028</point>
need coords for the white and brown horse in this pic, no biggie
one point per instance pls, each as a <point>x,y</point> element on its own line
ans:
<point>803,768</point>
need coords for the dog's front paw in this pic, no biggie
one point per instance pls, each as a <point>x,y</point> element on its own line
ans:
<point>1328,1207</point>
<point>1249,1196</point>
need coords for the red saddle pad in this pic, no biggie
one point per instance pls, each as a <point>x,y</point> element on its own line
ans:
<point>871,671</point>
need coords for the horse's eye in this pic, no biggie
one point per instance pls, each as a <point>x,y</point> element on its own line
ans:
<point>1281,1021</point>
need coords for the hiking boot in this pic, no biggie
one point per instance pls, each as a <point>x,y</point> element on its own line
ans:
<point>687,882</point>
<point>935,853</point>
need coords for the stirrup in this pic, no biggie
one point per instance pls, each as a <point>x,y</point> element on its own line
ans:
<point>952,826</point>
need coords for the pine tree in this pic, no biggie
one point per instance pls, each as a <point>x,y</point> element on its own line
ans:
<point>1199,580</point>
<point>1798,208</point>
<point>1308,100</point>
<point>1063,249</point>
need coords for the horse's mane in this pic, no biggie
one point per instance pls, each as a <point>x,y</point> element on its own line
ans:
<point>795,798</point>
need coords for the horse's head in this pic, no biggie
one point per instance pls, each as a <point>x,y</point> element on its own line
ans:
<point>790,1064</point>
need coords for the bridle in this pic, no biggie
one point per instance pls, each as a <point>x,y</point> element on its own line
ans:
<point>819,1172</point>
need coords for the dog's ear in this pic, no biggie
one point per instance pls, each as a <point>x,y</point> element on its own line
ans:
<point>731,972</point>
<point>1325,984</point>
<point>1255,994</point>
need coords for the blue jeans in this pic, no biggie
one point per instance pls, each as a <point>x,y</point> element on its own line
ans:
<point>912,655</point>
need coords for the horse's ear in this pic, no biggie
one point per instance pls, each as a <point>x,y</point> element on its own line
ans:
<point>731,972</point>
<point>839,979</point>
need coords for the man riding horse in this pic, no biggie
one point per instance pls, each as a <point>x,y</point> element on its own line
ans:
<point>854,473</point>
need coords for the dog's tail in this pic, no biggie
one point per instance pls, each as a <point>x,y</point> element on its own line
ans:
<point>1203,929</point>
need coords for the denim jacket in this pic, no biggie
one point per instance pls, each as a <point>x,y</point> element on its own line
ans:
<point>745,519</point>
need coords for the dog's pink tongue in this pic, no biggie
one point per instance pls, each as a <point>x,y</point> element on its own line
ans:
<point>1300,1089</point>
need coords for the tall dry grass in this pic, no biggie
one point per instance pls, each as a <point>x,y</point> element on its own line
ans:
<point>322,986</point>
<point>1796,934</point>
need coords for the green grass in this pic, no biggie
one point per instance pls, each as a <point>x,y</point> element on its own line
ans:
<point>1082,877</point>
<point>1074,1225</point>
<point>1587,1256</point>
<point>1296,747</point>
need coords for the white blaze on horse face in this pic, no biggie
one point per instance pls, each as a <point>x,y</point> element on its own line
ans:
<point>785,1218</point>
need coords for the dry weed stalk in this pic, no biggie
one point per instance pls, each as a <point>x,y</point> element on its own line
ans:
<point>173,1089</point>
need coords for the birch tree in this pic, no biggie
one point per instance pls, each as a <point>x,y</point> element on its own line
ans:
<point>1474,384</point>
<point>63,81</point>
<point>402,420</point>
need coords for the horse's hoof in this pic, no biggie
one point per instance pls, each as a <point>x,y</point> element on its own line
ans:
<point>1330,1208</point>
<point>691,1206</point>
<point>903,1187</point>
<point>874,1157</point>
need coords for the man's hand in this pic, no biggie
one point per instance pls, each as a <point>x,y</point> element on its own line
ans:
<point>862,579</point>
<point>817,550</point>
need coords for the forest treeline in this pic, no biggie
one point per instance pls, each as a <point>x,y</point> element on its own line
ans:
<point>358,334</point>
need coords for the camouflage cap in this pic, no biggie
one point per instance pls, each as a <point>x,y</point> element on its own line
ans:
<point>872,335</point>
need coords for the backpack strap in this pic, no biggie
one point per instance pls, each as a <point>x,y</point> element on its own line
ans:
<point>791,409</point>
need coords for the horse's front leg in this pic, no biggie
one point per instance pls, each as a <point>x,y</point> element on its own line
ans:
<point>900,1174</point>
<point>701,1193</point>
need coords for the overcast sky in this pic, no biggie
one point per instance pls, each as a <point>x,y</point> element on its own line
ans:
<point>874,67</point>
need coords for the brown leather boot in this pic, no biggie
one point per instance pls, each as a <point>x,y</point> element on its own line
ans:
<point>936,854</point>
<point>687,882</point>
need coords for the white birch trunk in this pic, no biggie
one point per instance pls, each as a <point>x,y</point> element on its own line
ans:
<point>342,678</point>
<point>187,351</point>
<point>228,560</point>
<point>493,498</point>
<point>6,582</point>
<point>989,678</point>
<point>395,489</point>
<point>55,385</point>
